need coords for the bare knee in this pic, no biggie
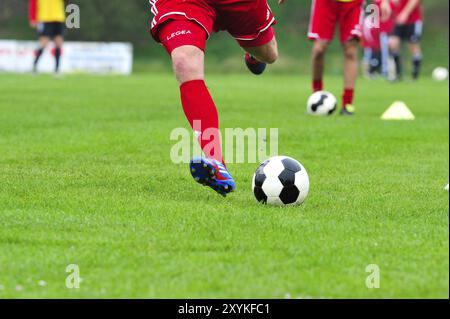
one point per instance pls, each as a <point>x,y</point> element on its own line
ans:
<point>44,42</point>
<point>319,50</point>
<point>267,53</point>
<point>269,57</point>
<point>188,63</point>
<point>271,52</point>
<point>59,42</point>
<point>415,49</point>
<point>272,56</point>
<point>351,51</point>
<point>394,44</point>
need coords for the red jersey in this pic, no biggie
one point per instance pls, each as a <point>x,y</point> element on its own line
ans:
<point>415,16</point>
<point>386,26</point>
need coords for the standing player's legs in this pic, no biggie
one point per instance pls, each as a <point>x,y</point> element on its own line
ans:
<point>384,46</point>
<point>58,39</point>
<point>324,18</point>
<point>318,64</point>
<point>43,43</point>
<point>395,47</point>
<point>351,62</point>
<point>350,20</point>
<point>367,62</point>
<point>415,48</point>
<point>59,42</point>
<point>417,57</point>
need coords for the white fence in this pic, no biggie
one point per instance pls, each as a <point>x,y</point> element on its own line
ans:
<point>78,57</point>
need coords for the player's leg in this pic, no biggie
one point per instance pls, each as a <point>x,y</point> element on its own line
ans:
<point>250,23</point>
<point>185,42</point>
<point>187,53</point>
<point>318,64</point>
<point>417,57</point>
<point>367,62</point>
<point>377,65</point>
<point>350,49</point>
<point>324,18</point>
<point>43,43</point>
<point>384,45</point>
<point>416,50</point>
<point>261,51</point>
<point>58,39</point>
<point>351,33</point>
<point>267,53</point>
<point>59,42</point>
<point>395,46</point>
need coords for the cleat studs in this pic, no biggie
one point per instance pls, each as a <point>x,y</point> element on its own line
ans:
<point>193,170</point>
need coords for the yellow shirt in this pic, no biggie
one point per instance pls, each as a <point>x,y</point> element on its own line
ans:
<point>51,11</point>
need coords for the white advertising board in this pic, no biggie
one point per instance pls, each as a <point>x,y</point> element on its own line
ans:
<point>78,57</point>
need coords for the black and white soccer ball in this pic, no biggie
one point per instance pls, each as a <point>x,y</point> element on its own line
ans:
<point>322,103</point>
<point>281,181</point>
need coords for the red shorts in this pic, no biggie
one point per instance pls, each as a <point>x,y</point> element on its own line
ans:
<point>327,14</point>
<point>248,21</point>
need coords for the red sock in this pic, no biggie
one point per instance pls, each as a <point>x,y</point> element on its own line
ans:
<point>317,85</point>
<point>201,113</point>
<point>347,98</point>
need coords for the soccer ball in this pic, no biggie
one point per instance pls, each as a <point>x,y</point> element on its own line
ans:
<point>322,104</point>
<point>281,181</point>
<point>440,74</point>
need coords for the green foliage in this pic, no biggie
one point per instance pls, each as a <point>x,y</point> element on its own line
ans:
<point>119,20</point>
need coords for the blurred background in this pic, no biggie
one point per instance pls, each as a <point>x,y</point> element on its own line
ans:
<point>128,21</point>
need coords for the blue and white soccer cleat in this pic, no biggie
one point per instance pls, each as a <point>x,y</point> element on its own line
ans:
<point>214,174</point>
<point>255,66</point>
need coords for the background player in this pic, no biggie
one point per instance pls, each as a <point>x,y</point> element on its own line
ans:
<point>183,28</point>
<point>409,27</point>
<point>48,17</point>
<point>375,41</point>
<point>371,42</point>
<point>326,15</point>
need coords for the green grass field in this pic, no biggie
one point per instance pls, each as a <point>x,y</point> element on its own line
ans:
<point>86,179</point>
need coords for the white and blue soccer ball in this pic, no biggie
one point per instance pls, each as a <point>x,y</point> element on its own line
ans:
<point>321,103</point>
<point>281,181</point>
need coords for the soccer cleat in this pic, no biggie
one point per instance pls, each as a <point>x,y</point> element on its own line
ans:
<point>348,110</point>
<point>255,66</point>
<point>213,174</point>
